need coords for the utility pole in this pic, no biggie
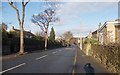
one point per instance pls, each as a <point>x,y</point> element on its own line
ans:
<point>80,39</point>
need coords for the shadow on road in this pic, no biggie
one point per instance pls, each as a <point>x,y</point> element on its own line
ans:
<point>89,69</point>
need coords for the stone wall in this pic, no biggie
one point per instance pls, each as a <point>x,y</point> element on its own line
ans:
<point>108,55</point>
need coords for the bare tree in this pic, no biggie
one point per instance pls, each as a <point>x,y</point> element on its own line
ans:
<point>43,20</point>
<point>21,21</point>
<point>67,36</point>
<point>42,34</point>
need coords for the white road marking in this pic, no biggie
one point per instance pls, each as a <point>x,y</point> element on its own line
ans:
<point>73,71</point>
<point>54,52</point>
<point>12,68</point>
<point>41,57</point>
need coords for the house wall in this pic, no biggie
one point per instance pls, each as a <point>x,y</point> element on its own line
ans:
<point>110,33</point>
<point>103,35</point>
<point>117,34</point>
<point>94,35</point>
<point>27,34</point>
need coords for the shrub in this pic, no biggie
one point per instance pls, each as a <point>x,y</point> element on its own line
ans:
<point>90,41</point>
<point>4,33</point>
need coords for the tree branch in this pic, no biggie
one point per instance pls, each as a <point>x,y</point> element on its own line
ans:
<point>27,2</point>
<point>23,12</point>
<point>12,5</point>
<point>38,23</point>
<point>17,11</point>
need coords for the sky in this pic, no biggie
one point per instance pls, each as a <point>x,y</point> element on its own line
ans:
<point>78,17</point>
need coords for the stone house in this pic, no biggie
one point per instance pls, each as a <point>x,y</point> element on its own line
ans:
<point>27,34</point>
<point>117,32</point>
<point>108,33</point>
<point>94,35</point>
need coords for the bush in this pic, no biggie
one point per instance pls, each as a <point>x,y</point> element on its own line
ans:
<point>13,44</point>
<point>30,44</point>
<point>4,33</point>
<point>109,55</point>
<point>13,35</point>
<point>38,38</point>
<point>54,44</point>
<point>90,41</point>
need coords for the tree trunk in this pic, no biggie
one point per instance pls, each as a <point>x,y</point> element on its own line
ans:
<point>46,38</point>
<point>22,31</point>
<point>21,40</point>
<point>68,43</point>
<point>21,22</point>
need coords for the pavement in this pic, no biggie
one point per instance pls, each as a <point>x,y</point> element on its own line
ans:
<point>83,59</point>
<point>62,60</point>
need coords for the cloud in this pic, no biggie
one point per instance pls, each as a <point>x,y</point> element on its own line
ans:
<point>70,14</point>
<point>72,10</point>
<point>85,7</point>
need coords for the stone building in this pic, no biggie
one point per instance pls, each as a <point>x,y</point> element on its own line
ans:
<point>27,34</point>
<point>108,33</point>
<point>117,32</point>
<point>95,35</point>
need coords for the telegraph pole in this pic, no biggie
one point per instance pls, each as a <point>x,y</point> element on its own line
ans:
<point>80,39</point>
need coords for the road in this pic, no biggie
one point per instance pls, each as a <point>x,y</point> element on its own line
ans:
<point>62,60</point>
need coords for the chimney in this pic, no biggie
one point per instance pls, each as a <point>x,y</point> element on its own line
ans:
<point>29,30</point>
<point>90,35</point>
<point>100,25</point>
<point>12,28</point>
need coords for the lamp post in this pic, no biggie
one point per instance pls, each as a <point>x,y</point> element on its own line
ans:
<point>80,38</point>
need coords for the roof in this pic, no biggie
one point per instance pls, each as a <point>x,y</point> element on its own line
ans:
<point>25,32</point>
<point>94,32</point>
